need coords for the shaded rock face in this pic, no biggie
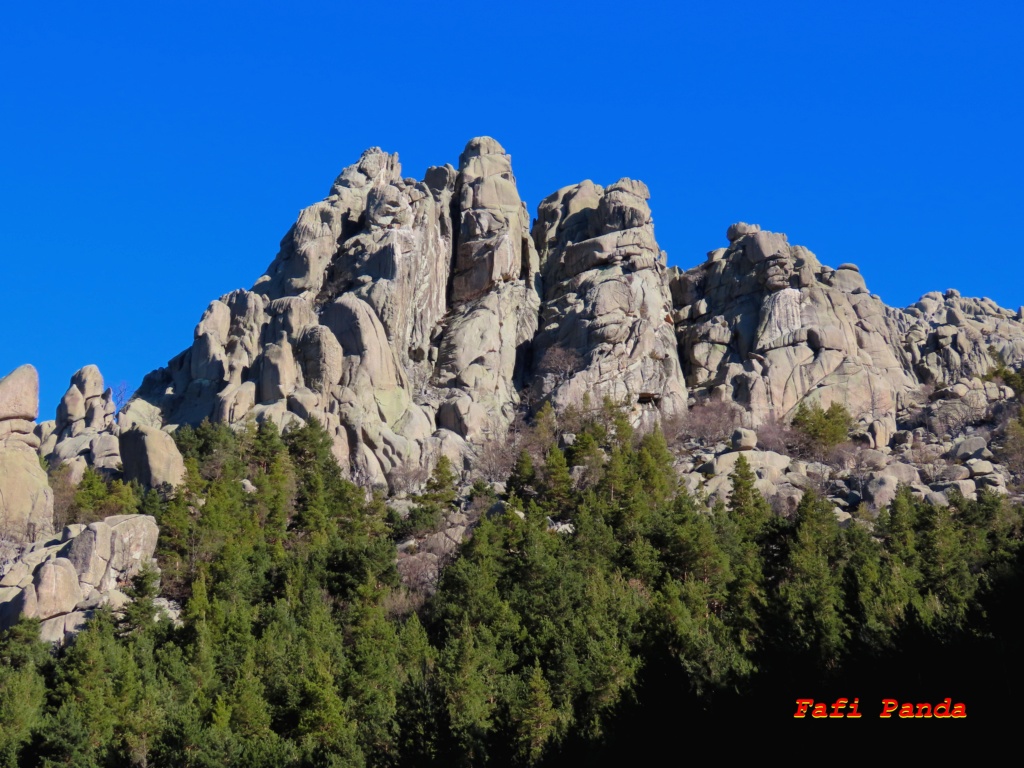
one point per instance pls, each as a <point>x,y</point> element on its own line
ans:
<point>85,432</point>
<point>26,501</point>
<point>398,313</point>
<point>63,579</point>
<point>151,457</point>
<point>606,322</point>
<point>765,325</point>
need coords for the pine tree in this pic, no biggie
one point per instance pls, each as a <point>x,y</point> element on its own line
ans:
<point>536,717</point>
<point>747,506</point>
<point>557,486</point>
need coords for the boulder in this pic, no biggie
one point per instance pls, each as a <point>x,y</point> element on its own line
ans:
<point>56,588</point>
<point>151,457</point>
<point>19,394</point>
<point>744,439</point>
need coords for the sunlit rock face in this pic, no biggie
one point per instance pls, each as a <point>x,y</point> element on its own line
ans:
<point>415,318</point>
<point>766,325</point>
<point>398,313</point>
<point>606,322</point>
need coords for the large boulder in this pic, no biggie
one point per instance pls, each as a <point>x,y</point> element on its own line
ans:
<point>151,457</point>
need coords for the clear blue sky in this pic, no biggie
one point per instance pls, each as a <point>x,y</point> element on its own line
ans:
<point>152,158</point>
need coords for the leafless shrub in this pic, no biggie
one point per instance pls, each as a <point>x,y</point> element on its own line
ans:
<point>401,602</point>
<point>561,363</point>
<point>712,421</point>
<point>778,436</point>
<point>122,393</point>
<point>64,510</point>
<point>408,477</point>
<point>497,457</point>
<point>952,417</point>
<point>843,456</point>
<point>674,428</point>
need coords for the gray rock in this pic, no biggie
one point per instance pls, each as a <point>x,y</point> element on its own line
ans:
<point>744,439</point>
<point>26,501</point>
<point>969,448</point>
<point>56,588</point>
<point>19,394</point>
<point>881,490</point>
<point>151,457</point>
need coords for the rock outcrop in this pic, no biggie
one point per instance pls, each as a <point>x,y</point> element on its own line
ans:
<point>606,325</point>
<point>951,336</point>
<point>418,318</point>
<point>765,325</point>
<point>151,457</point>
<point>84,434</point>
<point>398,313</point>
<point>26,501</point>
<point>62,580</point>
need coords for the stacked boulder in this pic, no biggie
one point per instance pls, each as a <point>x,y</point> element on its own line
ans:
<point>85,433</point>
<point>415,319</point>
<point>62,580</point>
<point>26,501</point>
<point>950,337</point>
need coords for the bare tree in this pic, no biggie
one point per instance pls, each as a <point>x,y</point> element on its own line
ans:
<point>561,363</point>
<point>122,393</point>
<point>712,421</point>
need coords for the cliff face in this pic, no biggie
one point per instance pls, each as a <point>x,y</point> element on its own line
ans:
<point>417,318</point>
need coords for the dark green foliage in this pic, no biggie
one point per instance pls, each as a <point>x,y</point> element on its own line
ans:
<point>538,648</point>
<point>1003,373</point>
<point>823,428</point>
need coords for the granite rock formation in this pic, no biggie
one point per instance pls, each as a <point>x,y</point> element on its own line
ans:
<point>419,318</point>
<point>26,501</point>
<point>61,580</point>
<point>84,434</point>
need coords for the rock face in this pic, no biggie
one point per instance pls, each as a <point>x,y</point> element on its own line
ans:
<point>418,318</point>
<point>606,324</point>
<point>398,313</point>
<point>84,433</point>
<point>62,579</point>
<point>26,501</point>
<point>765,325</point>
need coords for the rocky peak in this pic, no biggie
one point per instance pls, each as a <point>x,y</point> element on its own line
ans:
<point>418,318</point>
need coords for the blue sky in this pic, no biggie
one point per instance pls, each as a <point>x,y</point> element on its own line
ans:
<point>152,158</point>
